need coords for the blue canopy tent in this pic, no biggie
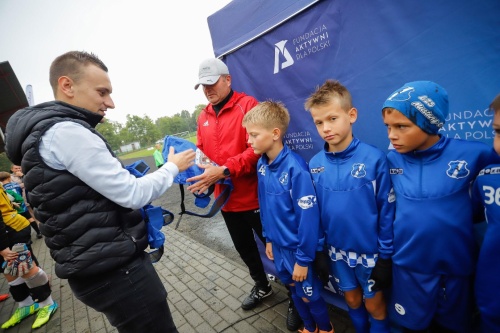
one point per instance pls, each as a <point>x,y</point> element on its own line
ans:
<point>284,49</point>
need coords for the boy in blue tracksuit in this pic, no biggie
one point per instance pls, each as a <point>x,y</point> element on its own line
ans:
<point>289,212</point>
<point>487,191</point>
<point>434,245</point>
<point>356,205</point>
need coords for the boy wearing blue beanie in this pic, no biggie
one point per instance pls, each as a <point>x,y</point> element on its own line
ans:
<point>434,246</point>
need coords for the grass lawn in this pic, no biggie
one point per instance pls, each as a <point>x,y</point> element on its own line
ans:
<point>149,151</point>
<point>137,154</point>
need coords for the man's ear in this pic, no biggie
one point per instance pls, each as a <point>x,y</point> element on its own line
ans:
<point>65,86</point>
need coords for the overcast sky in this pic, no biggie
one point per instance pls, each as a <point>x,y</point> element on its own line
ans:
<point>152,48</point>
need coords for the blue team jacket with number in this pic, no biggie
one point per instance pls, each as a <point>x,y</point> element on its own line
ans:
<point>487,191</point>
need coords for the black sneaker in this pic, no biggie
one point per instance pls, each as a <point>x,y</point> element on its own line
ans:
<point>39,235</point>
<point>293,320</point>
<point>256,296</point>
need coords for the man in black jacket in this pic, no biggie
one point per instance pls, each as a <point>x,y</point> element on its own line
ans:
<point>87,202</point>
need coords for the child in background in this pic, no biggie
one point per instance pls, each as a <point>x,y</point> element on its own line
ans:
<point>157,155</point>
<point>434,244</point>
<point>13,188</point>
<point>17,176</point>
<point>356,206</point>
<point>16,200</point>
<point>289,212</point>
<point>28,283</point>
<point>487,190</point>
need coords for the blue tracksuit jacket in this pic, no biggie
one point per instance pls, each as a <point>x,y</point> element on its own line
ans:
<point>487,190</point>
<point>288,207</point>
<point>355,200</point>
<point>433,231</point>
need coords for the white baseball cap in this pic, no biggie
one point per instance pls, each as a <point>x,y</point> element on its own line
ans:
<point>210,71</point>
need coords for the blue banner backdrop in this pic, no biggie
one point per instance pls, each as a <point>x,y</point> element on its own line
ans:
<point>373,48</point>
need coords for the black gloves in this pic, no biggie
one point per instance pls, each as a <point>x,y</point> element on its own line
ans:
<point>321,265</point>
<point>381,274</point>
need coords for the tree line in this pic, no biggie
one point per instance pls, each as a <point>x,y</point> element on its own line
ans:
<point>147,131</point>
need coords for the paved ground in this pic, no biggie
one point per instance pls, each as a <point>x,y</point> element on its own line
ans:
<point>204,276</point>
<point>205,290</point>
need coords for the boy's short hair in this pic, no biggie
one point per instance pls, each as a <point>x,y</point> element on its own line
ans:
<point>495,104</point>
<point>4,175</point>
<point>425,103</point>
<point>269,114</point>
<point>327,92</point>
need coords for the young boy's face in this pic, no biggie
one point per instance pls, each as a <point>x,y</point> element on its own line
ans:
<point>15,169</point>
<point>496,128</point>
<point>261,139</point>
<point>405,136</point>
<point>334,124</point>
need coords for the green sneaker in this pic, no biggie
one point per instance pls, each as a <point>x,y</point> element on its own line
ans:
<point>20,314</point>
<point>44,314</point>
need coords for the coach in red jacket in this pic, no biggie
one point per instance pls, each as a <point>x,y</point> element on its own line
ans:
<point>223,139</point>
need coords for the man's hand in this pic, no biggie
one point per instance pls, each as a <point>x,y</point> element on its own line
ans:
<point>183,160</point>
<point>209,177</point>
<point>381,274</point>
<point>321,265</point>
<point>299,273</point>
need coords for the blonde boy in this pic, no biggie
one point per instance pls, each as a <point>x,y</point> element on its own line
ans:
<point>289,212</point>
<point>356,205</point>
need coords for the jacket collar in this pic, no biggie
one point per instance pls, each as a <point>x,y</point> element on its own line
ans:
<point>342,155</point>
<point>430,153</point>
<point>277,161</point>
<point>90,117</point>
<point>72,111</point>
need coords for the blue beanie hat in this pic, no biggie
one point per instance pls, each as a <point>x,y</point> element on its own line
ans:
<point>425,103</point>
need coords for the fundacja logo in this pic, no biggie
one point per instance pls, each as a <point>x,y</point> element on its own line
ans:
<point>280,54</point>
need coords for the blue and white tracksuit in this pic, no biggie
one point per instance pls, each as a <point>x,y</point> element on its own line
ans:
<point>289,213</point>
<point>487,190</point>
<point>434,245</point>
<point>13,186</point>
<point>356,202</point>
